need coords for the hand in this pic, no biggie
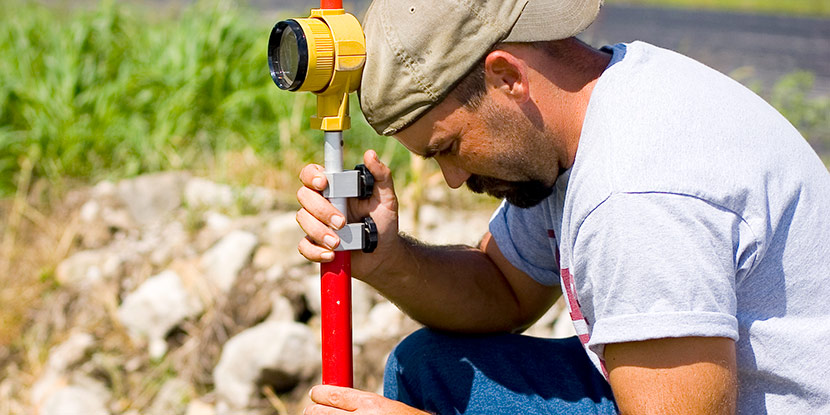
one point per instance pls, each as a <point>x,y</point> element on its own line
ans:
<point>338,400</point>
<point>319,218</point>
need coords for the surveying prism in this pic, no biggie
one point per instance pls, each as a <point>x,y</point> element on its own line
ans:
<point>324,54</point>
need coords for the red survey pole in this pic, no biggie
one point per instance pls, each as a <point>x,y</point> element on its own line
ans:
<point>336,279</point>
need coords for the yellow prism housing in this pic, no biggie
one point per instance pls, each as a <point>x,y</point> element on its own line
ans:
<point>323,53</point>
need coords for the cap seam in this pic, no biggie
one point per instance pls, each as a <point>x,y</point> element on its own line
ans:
<point>400,53</point>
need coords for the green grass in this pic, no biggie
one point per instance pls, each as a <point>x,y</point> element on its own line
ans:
<point>794,7</point>
<point>113,91</point>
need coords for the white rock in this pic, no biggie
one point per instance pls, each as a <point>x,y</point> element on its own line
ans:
<point>90,211</point>
<point>281,309</point>
<point>563,327</point>
<point>544,326</point>
<point>74,400</point>
<point>173,243</point>
<point>444,226</point>
<point>87,268</point>
<point>104,189</point>
<point>156,307</point>
<point>362,295</point>
<point>70,352</point>
<point>198,407</point>
<point>266,256</point>
<point>152,197</point>
<point>283,233</point>
<point>203,192</point>
<point>385,321</point>
<point>226,258</point>
<point>218,222</point>
<point>275,273</point>
<point>277,353</point>
<point>312,293</point>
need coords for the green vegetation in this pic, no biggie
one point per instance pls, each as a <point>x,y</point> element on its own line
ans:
<point>795,7</point>
<point>114,91</point>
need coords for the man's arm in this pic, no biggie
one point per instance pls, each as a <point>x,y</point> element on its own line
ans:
<point>463,289</point>
<point>456,288</point>
<point>687,375</point>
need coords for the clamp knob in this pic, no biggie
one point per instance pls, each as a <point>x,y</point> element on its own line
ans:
<point>366,181</point>
<point>370,235</point>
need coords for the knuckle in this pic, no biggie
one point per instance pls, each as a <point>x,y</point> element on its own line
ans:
<point>336,398</point>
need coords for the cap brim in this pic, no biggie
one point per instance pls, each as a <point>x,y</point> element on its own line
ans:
<point>543,20</point>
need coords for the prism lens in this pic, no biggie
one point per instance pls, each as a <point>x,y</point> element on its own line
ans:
<point>288,55</point>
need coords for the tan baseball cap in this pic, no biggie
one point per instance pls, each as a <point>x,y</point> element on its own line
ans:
<point>417,50</point>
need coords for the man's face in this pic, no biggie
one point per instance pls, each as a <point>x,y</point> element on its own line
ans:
<point>495,149</point>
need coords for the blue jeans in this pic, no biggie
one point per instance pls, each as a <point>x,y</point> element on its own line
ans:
<point>495,374</point>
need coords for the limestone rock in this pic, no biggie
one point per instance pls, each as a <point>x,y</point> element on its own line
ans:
<point>87,268</point>
<point>70,352</point>
<point>563,327</point>
<point>312,293</point>
<point>152,197</point>
<point>281,309</point>
<point>75,400</point>
<point>226,258</point>
<point>203,192</point>
<point>385,321</point>
<point>266,256</point>
<point>156,307</point>
<point>198,407</point>
<point>280,354</point>
<point>544,326</point>
<point>283,234</point>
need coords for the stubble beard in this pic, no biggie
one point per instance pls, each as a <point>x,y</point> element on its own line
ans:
<point>522,194</point>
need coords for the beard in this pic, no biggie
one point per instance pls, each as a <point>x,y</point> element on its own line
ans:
<point>523,194</point>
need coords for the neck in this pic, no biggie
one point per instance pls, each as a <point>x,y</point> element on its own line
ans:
<point>571,75</point>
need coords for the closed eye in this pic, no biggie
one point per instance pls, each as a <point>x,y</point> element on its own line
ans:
<point>444,148</point>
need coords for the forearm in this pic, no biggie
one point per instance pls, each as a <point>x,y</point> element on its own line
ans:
<point>456,288</point>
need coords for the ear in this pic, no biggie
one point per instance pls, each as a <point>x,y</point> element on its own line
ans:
<point>507,74</point>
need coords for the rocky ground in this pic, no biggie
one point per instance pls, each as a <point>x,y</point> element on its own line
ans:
<point>184,296</point>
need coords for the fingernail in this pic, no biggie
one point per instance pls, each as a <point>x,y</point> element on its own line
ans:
<point>330,241</point>
<point>338,221</point>
<point>328,255</point>
<point>317,182</point>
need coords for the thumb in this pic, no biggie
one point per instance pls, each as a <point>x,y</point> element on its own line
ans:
<point>384,187</point>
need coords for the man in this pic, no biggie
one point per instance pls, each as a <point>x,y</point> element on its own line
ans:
<point>683,218</point>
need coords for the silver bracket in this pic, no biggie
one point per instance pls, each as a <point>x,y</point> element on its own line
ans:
<point>343,184</point>
<point>351,237</point>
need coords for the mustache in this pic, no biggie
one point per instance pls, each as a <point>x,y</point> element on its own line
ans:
<point>523,194</point>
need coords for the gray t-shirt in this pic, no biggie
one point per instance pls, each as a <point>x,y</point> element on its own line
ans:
<point>693,208</point>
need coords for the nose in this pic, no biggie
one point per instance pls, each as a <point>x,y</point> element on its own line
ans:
<point>454,176</point>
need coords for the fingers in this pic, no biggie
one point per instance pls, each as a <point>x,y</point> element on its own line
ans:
<point>320,249</point>
<point>383,176</point>
<point>320,208</point>
<point>314,176</point>
<point>336,396</point>
<point>335,400</point>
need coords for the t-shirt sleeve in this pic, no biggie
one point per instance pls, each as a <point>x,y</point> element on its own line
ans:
<point>657,265</point>
<point>523,238</point>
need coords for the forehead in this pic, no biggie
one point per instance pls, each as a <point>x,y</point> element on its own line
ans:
<point>441,122</point>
